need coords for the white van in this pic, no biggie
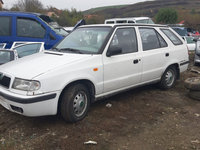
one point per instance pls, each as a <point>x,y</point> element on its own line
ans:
<point>92,62</point>
<point>145,20</point>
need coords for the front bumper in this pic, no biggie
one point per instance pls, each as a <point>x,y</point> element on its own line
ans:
<point>38,105</point>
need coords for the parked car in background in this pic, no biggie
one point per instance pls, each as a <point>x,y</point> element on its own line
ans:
<point>20,50</point>
<point>2,45</point>
<point>197,52</point>
<point>92,62</point>
<point>185,31</point>
<point>79,23</point>
<point>145,20</point>
<point>29,48</point>
<point>69,29</point>
<point>7,55</point>
<point>190,42</point>
<point>29,27</point>
<point>182,31</point>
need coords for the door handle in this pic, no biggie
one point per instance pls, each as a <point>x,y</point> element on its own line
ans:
<point>167,54</point>
<point>135,61</point>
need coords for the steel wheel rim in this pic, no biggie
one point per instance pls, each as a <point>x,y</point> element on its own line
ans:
<point>80,103</point>
<point>169,78</point>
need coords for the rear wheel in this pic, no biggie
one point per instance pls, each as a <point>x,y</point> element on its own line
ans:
<point>75,103</point>
<point>168,78</point>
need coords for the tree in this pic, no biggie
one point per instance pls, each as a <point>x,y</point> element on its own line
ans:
<point>68,17</point>
<point>28,6</point>
<point>166,16</point>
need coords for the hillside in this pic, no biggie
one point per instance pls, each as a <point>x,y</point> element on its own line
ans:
<point>148,8</point>
<point>94,10</point>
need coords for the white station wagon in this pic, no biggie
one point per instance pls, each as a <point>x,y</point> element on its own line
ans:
<point>90,63</point>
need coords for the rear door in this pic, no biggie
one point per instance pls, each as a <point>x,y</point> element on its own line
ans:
<point>155,54</point>
<point>124,69</point>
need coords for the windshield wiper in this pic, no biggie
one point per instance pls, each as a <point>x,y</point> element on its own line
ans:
<point>71,50</point>
<point>56,49</point>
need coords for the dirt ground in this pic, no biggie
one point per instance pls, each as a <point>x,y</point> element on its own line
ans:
<point>145,118</point>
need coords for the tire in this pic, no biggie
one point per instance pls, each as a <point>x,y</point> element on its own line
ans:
<point>194,95</point>
<point>75,103</point>
<point>192,83</point>
<point>168,78</point>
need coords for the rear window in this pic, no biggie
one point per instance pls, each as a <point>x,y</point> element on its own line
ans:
<point>121,21</point>
<point>110,22</point>
<point>173,38</point>
<point>5,26</point>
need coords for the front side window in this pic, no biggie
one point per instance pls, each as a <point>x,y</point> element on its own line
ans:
<point>88,40</point>
<point>6,56</point>
<point>173,38</point>
<point>126,40</point>
<point>28,49</point>
<point>30,28</point>
<point>5,26</point>
<point>149,39</point>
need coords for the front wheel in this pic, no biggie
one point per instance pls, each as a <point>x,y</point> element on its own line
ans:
<point>75,103</point>
<point>168,78</point>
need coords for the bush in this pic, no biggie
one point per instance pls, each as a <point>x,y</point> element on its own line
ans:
<point>166,16</point>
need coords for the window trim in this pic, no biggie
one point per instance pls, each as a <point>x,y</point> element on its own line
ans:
<point>157,33</point>
<point>10,26</point>
<point>133,28</point>
<point>181,43</point>
<point>32,20</point>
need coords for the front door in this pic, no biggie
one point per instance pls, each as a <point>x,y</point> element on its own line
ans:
<point>122,70</point>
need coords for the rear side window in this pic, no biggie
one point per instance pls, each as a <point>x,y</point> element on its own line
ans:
<point>125,39</point>
<point>5,26</point>
<point>30,28</point>
<point>173,38</point>
<point>151,39</point>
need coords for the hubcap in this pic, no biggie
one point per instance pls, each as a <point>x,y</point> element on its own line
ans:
<point>80,103</point>
<point>169,78</point>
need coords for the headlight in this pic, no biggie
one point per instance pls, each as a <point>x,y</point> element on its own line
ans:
<point>26,85</point>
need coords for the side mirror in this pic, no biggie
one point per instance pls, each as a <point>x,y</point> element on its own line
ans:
<point>113,50</point>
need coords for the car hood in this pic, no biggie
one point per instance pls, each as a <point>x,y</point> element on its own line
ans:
<point>31,66</point>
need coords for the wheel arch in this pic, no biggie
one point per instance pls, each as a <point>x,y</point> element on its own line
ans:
<point>89,85</point>
<point>176,65</point>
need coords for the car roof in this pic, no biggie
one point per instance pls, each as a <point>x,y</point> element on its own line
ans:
<point>14,13</point>
<point>118,25</point>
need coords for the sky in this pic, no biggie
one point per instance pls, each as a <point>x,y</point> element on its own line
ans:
<point>77,4</point>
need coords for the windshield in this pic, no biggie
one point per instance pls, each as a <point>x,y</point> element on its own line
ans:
<point>6,56</point>
<point>86,40</point>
